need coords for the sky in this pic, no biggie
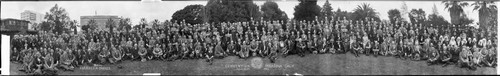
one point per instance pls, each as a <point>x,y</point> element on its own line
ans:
<point>163,10</point>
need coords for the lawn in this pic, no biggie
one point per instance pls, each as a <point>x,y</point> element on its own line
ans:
<point>323,64</point>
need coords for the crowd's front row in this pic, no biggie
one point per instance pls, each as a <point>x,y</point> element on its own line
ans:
<point>47,52</point>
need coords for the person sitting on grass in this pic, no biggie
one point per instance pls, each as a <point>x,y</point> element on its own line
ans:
<point>66,59</point>
<point>142,51</point>
<point>433,55</point>
<point>465,59</point>
<point>117,54</point>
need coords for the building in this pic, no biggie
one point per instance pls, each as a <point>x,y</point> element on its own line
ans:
<point>13,26</point>
<point>32,16</point>
<point>100,21</point>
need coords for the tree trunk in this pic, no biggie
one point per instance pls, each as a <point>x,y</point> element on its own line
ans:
<point>455,17</point>
<point>483,17</point>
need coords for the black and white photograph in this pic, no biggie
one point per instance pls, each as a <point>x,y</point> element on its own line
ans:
<point>249,37</point>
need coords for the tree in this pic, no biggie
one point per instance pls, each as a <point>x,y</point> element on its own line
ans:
<point>110,24</point>
<point>487,12</point>
<point>341,14</point>
<point>326,11</point>
<point>46,26</point>
<point>436,20</point>
<point>417,16</point>
<point>394,15</point>
<point>190,14</point>
<point>143,23</point>
<point>155,24</point>
<point>217,11</point>
<point>271,12</point>
<point>464,20</point>
<point>124,24</point>
<point>90,26</point>
<point>59,17</point>
<point>136,27</point>
<point>73,25</point>
<point>404,11</point>
<point>456,10</point>
<point>364,11</point>
<point>434,10</point>
<point>35,26</point>
<point>307,10</point>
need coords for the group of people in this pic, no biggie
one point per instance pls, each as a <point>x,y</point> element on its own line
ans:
<point>438,44</point>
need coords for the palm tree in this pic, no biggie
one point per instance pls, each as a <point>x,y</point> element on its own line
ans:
<point>110,24</point>
<point>155,24</point>
<point>365,11</point>
<point>485,13</point>
<point>456,10</point>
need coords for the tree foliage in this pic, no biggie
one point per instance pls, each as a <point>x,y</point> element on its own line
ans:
<point>46,26</point>
<point>437,20</point>
<point>456,10</point>
<point>342,14</point>
<point>124,24</point>
<point>143,23</point>
<point>417,16</point>
<point>155,24</point>
<point>307,10</point>
<point>271,12</point>
<point>73,26</point>
<point>365,11</point>
<point>59,17</point>
<point>217,11</point>
<point>110,24</point>
<point>394,15</point>
<point>190,14</point>
<point>90,26</point>
<point>326,11</point>
<point>487,13</point>
<point>464,20</point>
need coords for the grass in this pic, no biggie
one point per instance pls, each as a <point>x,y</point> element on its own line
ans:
<point>323,64</point>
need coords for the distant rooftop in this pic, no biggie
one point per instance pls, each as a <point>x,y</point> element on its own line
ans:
<point>100,16</point>
<point>14,19</point>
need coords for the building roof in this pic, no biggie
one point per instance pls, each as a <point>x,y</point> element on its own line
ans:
<point>8,19</point>
<point>100,16</point>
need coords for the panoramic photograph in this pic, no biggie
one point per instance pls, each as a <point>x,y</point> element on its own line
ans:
<point>248,37</point>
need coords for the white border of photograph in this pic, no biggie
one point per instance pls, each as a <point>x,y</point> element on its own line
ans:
<point>5,54</point>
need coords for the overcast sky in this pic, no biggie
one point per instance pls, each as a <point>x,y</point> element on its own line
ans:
<point>164,9</point>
